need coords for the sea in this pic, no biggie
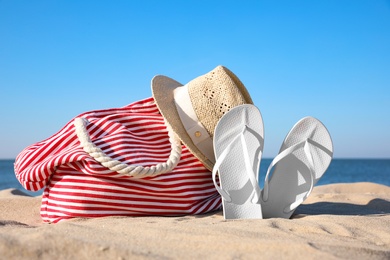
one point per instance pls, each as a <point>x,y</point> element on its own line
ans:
<point>339,171</point>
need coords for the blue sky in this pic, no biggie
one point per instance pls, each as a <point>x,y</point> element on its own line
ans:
<point>327,59</point>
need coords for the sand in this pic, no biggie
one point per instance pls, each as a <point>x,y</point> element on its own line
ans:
<point>338,221</point>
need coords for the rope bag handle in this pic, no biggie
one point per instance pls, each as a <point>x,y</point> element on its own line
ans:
<point>135,171</point>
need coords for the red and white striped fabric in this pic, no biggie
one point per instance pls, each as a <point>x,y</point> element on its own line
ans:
<point>78,186</point>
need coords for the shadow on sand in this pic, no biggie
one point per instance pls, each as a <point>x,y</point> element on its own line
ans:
<point>374,207</point>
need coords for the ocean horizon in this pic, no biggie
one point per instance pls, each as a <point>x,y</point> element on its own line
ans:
<point>339,171</point>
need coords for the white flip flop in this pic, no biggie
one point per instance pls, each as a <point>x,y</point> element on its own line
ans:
<point>304,157</point>
<point>238,147</point>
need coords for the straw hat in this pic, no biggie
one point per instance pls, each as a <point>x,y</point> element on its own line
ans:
<point>193,110</point>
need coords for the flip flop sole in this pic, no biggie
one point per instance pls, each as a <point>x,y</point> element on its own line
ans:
<point>233,174</point>
<point>291,179</point>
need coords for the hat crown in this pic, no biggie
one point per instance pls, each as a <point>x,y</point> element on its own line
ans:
<point>215,93</point>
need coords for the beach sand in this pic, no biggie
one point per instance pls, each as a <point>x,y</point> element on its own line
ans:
<point>337,221</point>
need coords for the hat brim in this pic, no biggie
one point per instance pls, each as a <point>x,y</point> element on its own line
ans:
<point>163,93</point>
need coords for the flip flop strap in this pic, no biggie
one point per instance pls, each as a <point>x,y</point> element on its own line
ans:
<point>305,145</point>
<point>225,195</point>
<point>309,156</point>
<point>135,171</point>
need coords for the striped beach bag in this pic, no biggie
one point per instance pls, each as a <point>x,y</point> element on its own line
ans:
<point>150,158</point>
<point>77,185</point>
